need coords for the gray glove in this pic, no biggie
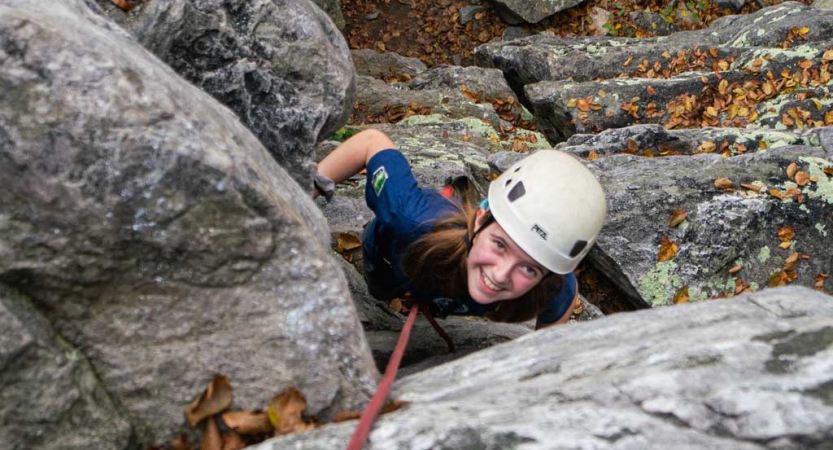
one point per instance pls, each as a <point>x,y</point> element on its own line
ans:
<point>325,186</point>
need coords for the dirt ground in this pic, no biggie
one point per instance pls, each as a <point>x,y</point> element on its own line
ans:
<point>431,30</point>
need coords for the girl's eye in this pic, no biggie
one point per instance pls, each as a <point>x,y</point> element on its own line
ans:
<point>531,271</point>
<point>499,245</point>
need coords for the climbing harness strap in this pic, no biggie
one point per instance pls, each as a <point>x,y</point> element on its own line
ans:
<point>372,411</point>
<point>428,315</point>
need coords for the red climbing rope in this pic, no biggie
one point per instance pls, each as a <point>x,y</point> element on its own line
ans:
<point>369,414</point>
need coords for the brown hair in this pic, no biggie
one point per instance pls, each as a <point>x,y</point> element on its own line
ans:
<point>436,262</point>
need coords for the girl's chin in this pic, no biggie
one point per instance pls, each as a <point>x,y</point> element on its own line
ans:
<point>481,297</point>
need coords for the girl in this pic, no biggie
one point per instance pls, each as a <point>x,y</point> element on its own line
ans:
<point>510,259</point>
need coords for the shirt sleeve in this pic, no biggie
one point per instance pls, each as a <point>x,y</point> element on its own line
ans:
<point>558,305</point>
<point>395,198</point>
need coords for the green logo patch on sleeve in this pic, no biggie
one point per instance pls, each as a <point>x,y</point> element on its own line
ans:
<point>380,175</point>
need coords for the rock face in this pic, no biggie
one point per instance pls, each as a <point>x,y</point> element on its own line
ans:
<point>385,65</point>
<point>281,66</point>
<point>519,11</point>
<point>157,236</point>
<point>724,229</point>
<point>333,9</point>
<point>587,85</point>
<point>763,78</point>
<point>754,372</point>
<point>51,398</point>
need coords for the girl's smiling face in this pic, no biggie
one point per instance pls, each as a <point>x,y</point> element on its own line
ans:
<point>497,268</point>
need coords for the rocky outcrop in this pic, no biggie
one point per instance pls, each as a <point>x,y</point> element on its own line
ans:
<point>732,238</point>
<point>281,66</point>
<point>51,397</point>
<point>739,72</point>
<point>158,237</point>
<point>386,65</point>
<point>763,79</point>
<point>333,9</point>
<point>753,372</point>
<point>516,12</point>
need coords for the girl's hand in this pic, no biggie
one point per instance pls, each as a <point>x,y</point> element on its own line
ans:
<point>322,185</point>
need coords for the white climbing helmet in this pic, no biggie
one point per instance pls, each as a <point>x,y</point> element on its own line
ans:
<point>552,206</point>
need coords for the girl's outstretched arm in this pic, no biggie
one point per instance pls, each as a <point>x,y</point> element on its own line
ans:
<point>352,155</point>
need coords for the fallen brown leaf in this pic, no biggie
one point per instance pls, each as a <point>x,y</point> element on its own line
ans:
<point>741,287</point>
<point>751,187</point>
<point>681,296</point>
<point>779,278</point>
<point>735,269</point>
<point>388,407</point>
<point>286,410</point>
<point>667,249</point>
<point>677,217</point>
<point>785,234</point>
<point>632,146</point>
<point>211,439</point>
<point>592,156</point>
<point>181,443</point>
<point>248,422</point>
<point>791,262</point>
<point>347,242</point>
<point>233,441</point>
<point>127,5</point>
<point>398,306</point>
<point>791,170</point>
<point>723,183</point>
<point>820,281</point>
<point>802,178</point>
<point>213,400</point>
<point>706,147</point>
<point>578,307</point>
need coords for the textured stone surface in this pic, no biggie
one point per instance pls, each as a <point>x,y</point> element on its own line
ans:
<point>750,373</point>
<point>723,229</point>
<point>157,234</point>
<point>532,11</point>
<point>280,65</point>
<point>49,396</point>
<point>631,81</point>
<point>333,9</point>
<point>385,65</point>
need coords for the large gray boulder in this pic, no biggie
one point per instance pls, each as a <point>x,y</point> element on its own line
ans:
<point>751,373</point>
<point>385,65</point>
<point>516,12</point>
<point>50,397</point>
<point>333,9</point>
<point>156,233</point>
<point>742,70</point>
<point>282,66</point>
<point>723,229</point>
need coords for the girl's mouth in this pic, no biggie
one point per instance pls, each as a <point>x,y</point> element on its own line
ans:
<point>488,283</point>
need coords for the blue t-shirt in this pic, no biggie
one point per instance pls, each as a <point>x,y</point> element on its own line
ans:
<point>405,212</point>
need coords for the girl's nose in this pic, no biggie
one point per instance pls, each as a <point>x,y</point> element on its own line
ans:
<point>502,272</point>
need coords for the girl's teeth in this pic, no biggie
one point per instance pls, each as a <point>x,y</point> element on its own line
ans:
<point>489,283</point>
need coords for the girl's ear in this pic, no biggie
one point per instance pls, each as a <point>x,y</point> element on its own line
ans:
<point>479,218</point>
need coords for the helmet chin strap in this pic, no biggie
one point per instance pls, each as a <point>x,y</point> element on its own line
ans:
<point>469,241</point>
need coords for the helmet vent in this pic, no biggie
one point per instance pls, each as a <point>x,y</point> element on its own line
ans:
<point>577,248</point>
<point>509,181</point>
<point>517,169</point>
<point>517,192</point>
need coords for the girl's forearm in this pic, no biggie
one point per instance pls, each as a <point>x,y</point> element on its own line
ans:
<point>352,155</point>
